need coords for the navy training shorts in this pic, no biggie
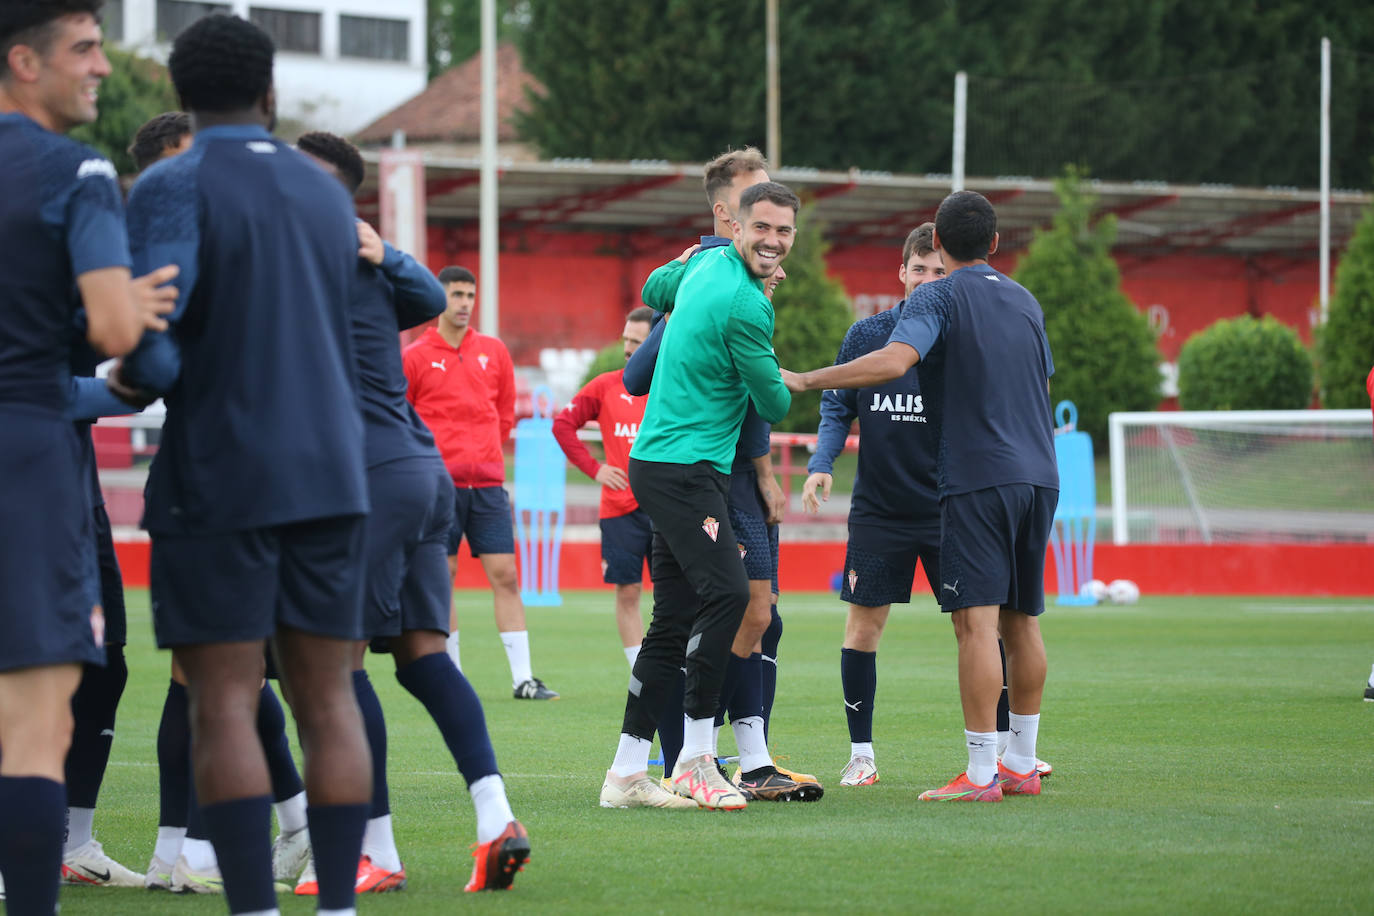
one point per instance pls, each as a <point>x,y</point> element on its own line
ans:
<point>627,542</point>
<point>992,547</point>
<point>880,562</point>
<point>407,532</point>
<point>243,585</point>
<point>47,546</point>
<point>482,514</point>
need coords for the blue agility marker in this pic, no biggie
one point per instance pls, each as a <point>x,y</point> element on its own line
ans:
<point>1075,519</point>
<point>539,502</point>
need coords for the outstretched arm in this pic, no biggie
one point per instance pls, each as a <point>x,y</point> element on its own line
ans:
<point>876,368</point>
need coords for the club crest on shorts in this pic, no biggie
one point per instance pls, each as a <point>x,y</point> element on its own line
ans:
<point>711,527</point>
<point>853,579</point>
<point>742,551</point>
<point>98,626</point>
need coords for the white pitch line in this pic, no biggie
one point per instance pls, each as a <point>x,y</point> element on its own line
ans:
<point>1308,608</point>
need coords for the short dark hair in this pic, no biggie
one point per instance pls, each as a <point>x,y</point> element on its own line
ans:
<point>34,23</point>
<point>643,313</point>
<point>721,171</point>
<point>455,274</point>
<point>770,191</point>
<point>161,133</point>
<point>966,224</point>
<point>339,153</point>
<point>921,241</point>
<point>221,63</point>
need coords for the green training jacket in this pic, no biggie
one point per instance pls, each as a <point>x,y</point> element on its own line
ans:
<point>717,354</point>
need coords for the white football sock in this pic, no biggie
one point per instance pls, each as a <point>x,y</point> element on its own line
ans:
<point>493,808</point>
<point>753,747</point>
<point>697,737</point>
<point>715,740</point>
<point>517,643</point>
<point>451,646</point>
<point>276,912</point>
<point>351,911</point>
<point>169,843</point>
<point>1371,677</point>
<point>79,824</point>
<point>1020,753</point>
<point>982,756</point>
<point>861,749</point>
<point>379,844</point>
<point>631,757</point>
<point>631,653</point>
<point>200,855</point>
<point>1002,739</point>
<point>291,814</point>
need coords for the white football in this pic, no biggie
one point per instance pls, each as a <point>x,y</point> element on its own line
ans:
<point>1095,589</point>
<point>1123,591</point>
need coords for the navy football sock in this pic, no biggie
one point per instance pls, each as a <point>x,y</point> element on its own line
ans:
<point>453,705</point>
<point>240,830</point>
<point>771,637</point>
<point>375,726</point>
<point>174,758</point>
<point>748,698</point>
<point>336,837</point>
<point>1003,701</point>
<point>286,779</point>
<point>734,673</point>
<point>859,679</point>
<point>670,722</point>
<point>93,721</point>
<point>31,841</point>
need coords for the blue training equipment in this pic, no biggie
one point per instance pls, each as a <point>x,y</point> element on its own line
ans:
<point>1075,518</point>
<point>539,502</point>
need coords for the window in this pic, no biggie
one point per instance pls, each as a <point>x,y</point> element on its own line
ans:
<point>380,39</point>
<point>173,16</point>
<point>291,30</point>
<point>112,20</point>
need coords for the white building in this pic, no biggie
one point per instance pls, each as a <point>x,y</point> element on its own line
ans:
<point>340,63</point>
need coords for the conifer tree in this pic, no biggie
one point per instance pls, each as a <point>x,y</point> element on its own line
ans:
<point>1105,354</point>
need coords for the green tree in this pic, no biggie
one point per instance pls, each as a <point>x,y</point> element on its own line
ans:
<point>1345,344</point>
<point>1105,355</point>
<point>1245,364</point>
<point>812,315</point>
<point>136,90</point>
<point>1157,89</point>
<point>455,30</point>
<point>607,359</point>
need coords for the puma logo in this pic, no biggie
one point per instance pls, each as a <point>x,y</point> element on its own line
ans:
<point>855,705</point>
<point>440,365</point>
<point>954,588</point>
<point>628,398</point>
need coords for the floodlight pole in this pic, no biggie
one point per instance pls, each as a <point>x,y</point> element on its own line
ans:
<point>960,130</point>
<point>1324,244</point>
<point>774,88</point>
<point>488,276</point>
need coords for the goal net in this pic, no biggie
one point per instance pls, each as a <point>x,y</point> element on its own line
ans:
<point>1242,476</point>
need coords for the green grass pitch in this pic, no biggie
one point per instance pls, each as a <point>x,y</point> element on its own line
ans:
<point>1211,756</point>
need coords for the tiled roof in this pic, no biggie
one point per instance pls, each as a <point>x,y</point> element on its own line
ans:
<point>450,108</point>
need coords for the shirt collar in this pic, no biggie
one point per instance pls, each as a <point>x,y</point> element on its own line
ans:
<point>232,132</point>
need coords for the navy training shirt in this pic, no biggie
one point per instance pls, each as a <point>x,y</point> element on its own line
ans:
<point>985,333</point>
<point>263,423</point>
<point>399,294</point>
<point>898,434</point>
<point>62,216</point>
<point>754,433</point>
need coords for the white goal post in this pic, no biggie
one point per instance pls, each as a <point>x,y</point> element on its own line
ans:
<point>1242,476</point>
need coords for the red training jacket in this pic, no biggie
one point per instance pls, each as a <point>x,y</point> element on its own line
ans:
<point>466,396</point>
<point>618,413</point>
